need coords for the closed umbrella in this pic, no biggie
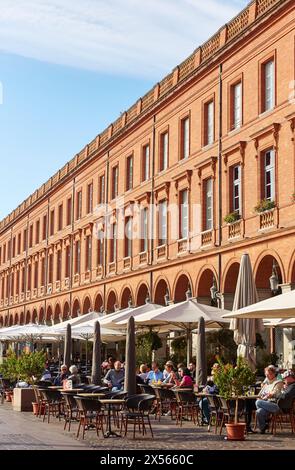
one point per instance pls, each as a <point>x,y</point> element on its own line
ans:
<point>201,366</point>
<point>245,329</point>
<point>96,356</point>
<point>130,357</point>
<point>68,347</point>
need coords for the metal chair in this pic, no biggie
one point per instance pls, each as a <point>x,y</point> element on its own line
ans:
<point>90,415</point>
<point>71,411</point>
<point>138,408</point>
<point>187,406</point>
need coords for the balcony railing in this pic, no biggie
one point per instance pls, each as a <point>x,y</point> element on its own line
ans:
<point>42,290</point>
<point>57,286</point>
<point>182,246</point>
<point>267,219</point>
<point>76,278</point>
<point>87,276</point>
<point>67,283</point>
<point>235,230</point>
<point>127,262</point>
<point>143,257</point>
<point>28,295</point>
<point>34,293</point>
<point>112,268</point>
<point>22,297</point>
<point>207,237</point>
<point>162,251</point>
<point>99,271</point>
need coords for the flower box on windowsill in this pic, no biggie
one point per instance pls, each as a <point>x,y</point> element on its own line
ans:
<point>264,205</point>
<point>232,218</point>
<point>182,246</point>
<point>143,257</point>
<point>162,251</point>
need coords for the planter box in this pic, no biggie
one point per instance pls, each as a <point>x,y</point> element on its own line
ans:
<point>23,398</point>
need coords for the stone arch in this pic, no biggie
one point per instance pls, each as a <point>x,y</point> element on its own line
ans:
<point>66,311</point>
<point>142,294</point>
<point>263,271</point>
<point>1,322</point>
<point>34,315</point>
<point>16,318</point>
<point>98,303</point>
<point>291,270</point>
<point>41,315</point>
<point>22,318</point>
<point>6,320</point>
<point>28,317</point>
<point>204,284</point>
<point>49,315</point>
<point>76,310</point>
<point>57,314</point>
<point>181,285</point>
<point>126,295</point>
<point>10,320</point>
<point>112,301</point>
<point>230,282</point>
<point>161,289</point>
<point>86,305</point>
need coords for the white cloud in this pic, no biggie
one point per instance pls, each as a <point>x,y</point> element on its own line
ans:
<point>130,37</point>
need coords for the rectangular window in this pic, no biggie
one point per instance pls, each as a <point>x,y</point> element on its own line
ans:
<point>37,234</point>
<point>101,193</point>
<point>236,106</point>
<point>60,217</point>
<point>269,175</point>
<point>185,139</point>
<point>183,214</point>
<point>25,240</point>
<point>43,272</point>
<point>100,242</point>
<point>17,282</point>
<point>58,265</point>
<point>68,261</point>
<point>129,173</point>
<point>23,280</point>
<point>144,230</point>
<point>4,253</point>
<point>236,189</point>
<point>19,244</point>
<point>50,269</point>
<point>69,211</point>
<point>209,123</point>
<point>115,174</point>
<point>78,257</point>
<point>29,277</point>
<point>128,237</point>
<point>164,146</point>
<point>31,236</point>
<point>44,233</point>
<point>90,198</point>
<point>12,285</point>
<point>113,243</point>
<point>208,204</point>
<point>162,223</point>
<point>52,223</point>
<point>13,247</point>
<point>79,205</point>
<point>88,253</point>
<point>36,274</point>
<point>8,250</point>
<point>146,163</point>
<point>268,84</point>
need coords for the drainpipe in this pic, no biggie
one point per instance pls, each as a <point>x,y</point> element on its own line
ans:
<point>152,214</point>
<point>106,231</point>
<point>72,245</point>
<point>220,301</point>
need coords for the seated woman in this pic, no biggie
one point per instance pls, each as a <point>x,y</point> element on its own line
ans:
<point>185,379</point>
<point>209,389</point>
<point>74,377</point>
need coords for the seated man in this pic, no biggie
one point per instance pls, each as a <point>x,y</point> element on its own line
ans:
<point>287,395</point>
<point>155,374</point>
<point>46,374</point>
<point>210,389</point>
<point>63,375</point>
<point>269,394</point>
<point>168,374</point>
<point>115,377</point>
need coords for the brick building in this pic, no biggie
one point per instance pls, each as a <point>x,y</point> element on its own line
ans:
<point>210,140</point>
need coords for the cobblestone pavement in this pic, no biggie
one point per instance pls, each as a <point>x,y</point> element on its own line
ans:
<point>25,431</point>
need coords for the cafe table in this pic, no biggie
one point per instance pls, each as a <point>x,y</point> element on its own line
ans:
<point>91,395</point>
<point>109,403</point>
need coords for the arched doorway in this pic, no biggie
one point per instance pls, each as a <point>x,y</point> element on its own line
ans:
<point>66,311</point>
<point>10,320</point>
<point>22,318</point>
<point>49,316</point>
<point>76,309</point>
<point>126,297</point>
<point>1,322</point>
<point>161,292</point>
<point>86,306</point>
<point>57,314</point>
<point>111,302</point>
<point>182,286</point>
<point>41,315</point>
<point>142,295</point>
<point>28,317</point>
<point>205,283</point>
<point>34,316</point>
<point>98,304</point>
<point>230,283</point>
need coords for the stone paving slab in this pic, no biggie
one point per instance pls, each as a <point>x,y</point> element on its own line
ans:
<point>25,431</point>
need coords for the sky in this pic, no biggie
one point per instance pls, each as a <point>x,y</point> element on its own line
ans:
<point>68,68</point>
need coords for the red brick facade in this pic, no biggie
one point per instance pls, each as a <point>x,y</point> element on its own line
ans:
<point>237,93</point>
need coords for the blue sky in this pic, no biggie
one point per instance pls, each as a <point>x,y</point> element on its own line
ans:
<point>69,67</point>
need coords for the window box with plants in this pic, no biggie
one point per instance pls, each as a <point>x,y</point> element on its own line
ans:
<point>231,382</point>
<point>232,217</point>
<point>264,205</point>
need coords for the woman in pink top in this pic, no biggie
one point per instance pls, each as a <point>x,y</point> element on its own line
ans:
<point>186,380</point>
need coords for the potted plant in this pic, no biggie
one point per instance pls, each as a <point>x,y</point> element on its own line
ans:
<point>30,367</point>
<point>9,372</point>
<point>231,381</point>
<point>264,205</point>
<point>232,217</point>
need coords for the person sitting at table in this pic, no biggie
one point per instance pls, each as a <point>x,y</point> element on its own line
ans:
<point>63,375</point>
<point>192,369</point>
<point>185,380</point>
<point>155,375</point>
<point>169,374</point>
<point>209,389</point>
<point>268,397</point>
<point>46,374</point>
<point>143,372</point>
<point>74,376</point>
<point>287,394</point>
<point>115,377</point>
<point>168,367</point>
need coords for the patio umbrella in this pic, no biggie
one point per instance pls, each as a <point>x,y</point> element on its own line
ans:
<point>245,330</point>
<point>77,321</point>
<point>68,347</point>
<point>130,357</point>
<point>201,366</point>
<point>96,356</point>
<point>183,315</point>
<point>280,306</point>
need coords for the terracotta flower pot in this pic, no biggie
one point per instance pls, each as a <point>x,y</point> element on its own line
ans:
<point>235,432</point>
<point>9,396</point>
<point>35,408</point>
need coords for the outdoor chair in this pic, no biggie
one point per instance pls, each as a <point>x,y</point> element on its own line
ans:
<point>138,409</point>
<point>187,407</point>
<point>227,408</point>
<point>71,412</point>
<point>147,389</point>
<point>166,402</point>
<point>90,415</point>
<point>5,386</point>
<point>283,418</point>
<point>53,402</point>
<point>215,411</point>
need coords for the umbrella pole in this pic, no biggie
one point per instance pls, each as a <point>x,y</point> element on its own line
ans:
<point>86,353</point>
<point>188,347</point>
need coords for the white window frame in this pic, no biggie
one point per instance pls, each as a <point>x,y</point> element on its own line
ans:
<point>237,105</point>
<point>269,85</point>
<point>163,222</point>
<point>236,182</point>
<point>210,123</point>
<point>269,169</point>
<point>185,138</point>
<point>209,204</point>
<point>183,214</point>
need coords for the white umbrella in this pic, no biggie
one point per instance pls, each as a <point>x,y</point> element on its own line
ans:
<point>30,332</point>
<point>280,306</point>
<point>111,320</point>
<point>184,315</point>
<point>77,320</point>
<point>86,332</point>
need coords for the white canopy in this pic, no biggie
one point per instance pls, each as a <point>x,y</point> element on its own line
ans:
<point>29,332</point>
<point>113,319</point>
<point>86,332</point>
<point>77,320</point>
<point>184,315</point>
<point>280,306</point>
